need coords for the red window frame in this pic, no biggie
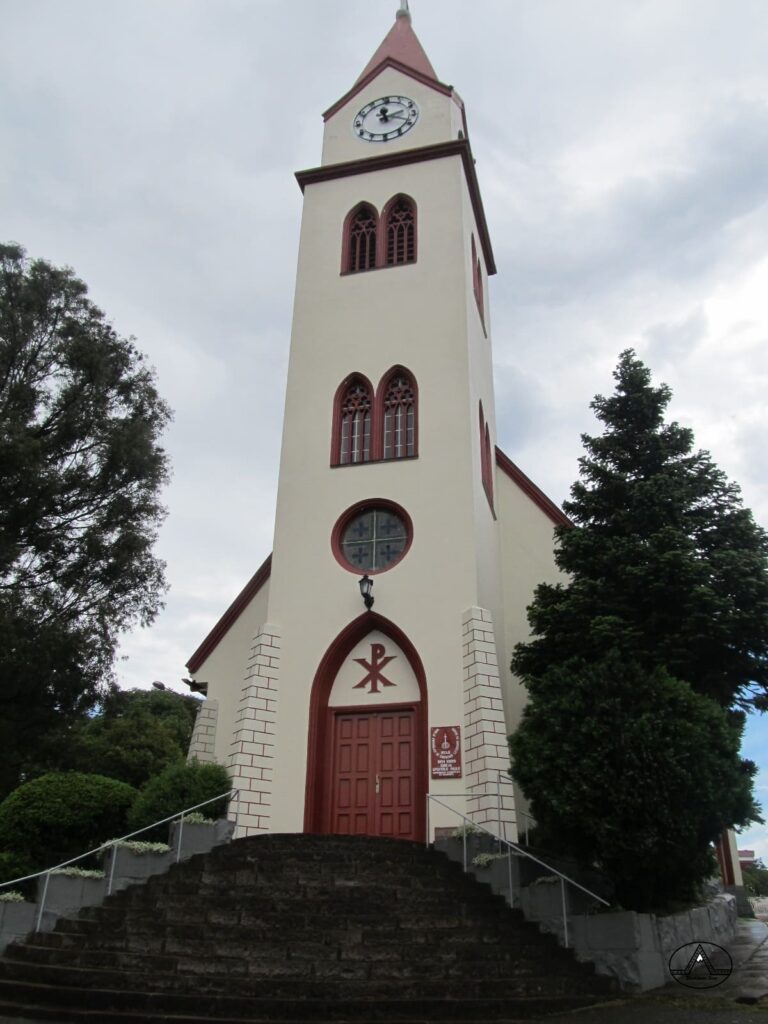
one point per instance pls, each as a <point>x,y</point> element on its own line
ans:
<point>394,226</point>
<point>486,460</point>
<point>477,283</point>
<point>347,439</point>
<point>411,416</point>
<point>383,504</point>
<point>352,259</point>
<point>398,239</point>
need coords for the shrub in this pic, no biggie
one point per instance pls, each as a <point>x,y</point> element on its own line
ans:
<point>13,865</point>
<point>635,773</point>
<point>58,816</point>
<point>177,787</point>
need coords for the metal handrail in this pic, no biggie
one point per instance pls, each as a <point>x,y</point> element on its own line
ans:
<point>113,842</point>
<point>517,811</point>
<point>519,852</point>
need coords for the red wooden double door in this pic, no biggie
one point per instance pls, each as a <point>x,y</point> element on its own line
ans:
<point>374,787</point>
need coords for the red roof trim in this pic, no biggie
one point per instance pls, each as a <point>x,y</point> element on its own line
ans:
<point>391,62</point>
<point>457,147</point>
<point>527,486</point>
<point>231,615</point>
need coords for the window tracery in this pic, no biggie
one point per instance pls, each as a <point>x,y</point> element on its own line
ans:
<point>355,421</point>
<point>399,439</point>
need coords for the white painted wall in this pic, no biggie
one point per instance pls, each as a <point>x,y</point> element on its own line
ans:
<point>439,119</point>
<point>423,316</point>
<point>224,669</point>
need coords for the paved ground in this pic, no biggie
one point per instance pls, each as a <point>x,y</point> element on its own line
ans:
<point>665,1010</point>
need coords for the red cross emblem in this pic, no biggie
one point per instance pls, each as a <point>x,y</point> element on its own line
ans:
<point>373,668</point>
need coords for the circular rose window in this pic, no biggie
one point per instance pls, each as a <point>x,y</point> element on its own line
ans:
<point>372,536</point>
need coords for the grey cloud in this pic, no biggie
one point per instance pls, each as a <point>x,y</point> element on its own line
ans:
<point>675,340</point>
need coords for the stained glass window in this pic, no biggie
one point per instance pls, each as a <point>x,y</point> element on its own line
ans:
<point>373,539</point>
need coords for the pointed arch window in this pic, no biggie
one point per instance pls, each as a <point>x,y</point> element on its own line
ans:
<point>477,282</point>
<point>353,417</point>
<point>360,239</point>
<point>486,463</point>
<point>400,228</point>
<point>399,409</point>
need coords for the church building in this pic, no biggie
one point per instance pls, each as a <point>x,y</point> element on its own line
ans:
<point>365,664</point>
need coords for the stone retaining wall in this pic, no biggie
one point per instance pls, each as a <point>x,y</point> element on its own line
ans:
<point>633,948</point>
<point>65,894</point>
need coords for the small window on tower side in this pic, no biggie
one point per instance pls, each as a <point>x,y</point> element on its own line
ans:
<point>360,232</point>
<point>477,282</point>
<point>486,460</point>
<point>352,419</point>
<point>489,468</point>
<point>398,398</point>
<point>400,231</point>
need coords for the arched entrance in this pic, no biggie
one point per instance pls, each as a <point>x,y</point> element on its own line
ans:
<point>367,756</point>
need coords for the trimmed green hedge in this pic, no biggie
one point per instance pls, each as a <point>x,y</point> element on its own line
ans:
<point>177,787</point>
<point>60,815</point>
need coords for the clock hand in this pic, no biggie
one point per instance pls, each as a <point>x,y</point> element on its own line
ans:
<point>389,115</point>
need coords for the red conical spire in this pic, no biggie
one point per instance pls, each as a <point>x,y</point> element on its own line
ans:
<point>402,45</point>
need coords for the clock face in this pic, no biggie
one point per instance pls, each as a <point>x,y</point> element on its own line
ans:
<point>385,119</point>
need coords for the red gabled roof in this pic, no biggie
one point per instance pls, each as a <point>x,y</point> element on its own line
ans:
<point>402,45</point>
<point>402,51</point>
<point>231,615</point>
<point>537,496</point>
<point>262,574</point>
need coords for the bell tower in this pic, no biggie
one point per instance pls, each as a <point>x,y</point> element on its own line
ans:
<point>349,715</point>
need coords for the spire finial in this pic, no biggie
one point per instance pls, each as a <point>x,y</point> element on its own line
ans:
<point>404,12</point>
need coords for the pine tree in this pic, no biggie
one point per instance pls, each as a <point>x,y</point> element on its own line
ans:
<point>664,563</point>
<point>632,772</point>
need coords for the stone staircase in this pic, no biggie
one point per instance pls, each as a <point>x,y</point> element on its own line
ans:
<point>289,928</point>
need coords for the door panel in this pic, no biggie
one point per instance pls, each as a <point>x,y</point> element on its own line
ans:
<point>373,779</point>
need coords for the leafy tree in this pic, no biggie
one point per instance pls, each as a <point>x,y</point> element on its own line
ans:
<point>180,786</point>
<point>133,737</point>
<point>80,475</point>
<point>663,561</point>
<point>61,815</point>
<point>756,879</point>
<point>632,772</point>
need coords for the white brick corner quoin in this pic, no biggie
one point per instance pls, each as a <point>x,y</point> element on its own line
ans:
<point>485,732</point>
<point>251,759</point>
<point>201,746</point>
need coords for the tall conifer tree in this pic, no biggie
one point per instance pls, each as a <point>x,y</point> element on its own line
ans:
<point>664,563</point>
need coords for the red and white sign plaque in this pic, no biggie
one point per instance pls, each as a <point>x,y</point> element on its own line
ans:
<point>446,752</point>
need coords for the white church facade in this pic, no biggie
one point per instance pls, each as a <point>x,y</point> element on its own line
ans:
<point>331,714</point>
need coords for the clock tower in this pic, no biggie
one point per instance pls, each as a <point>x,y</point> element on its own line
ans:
<point>334,713</point>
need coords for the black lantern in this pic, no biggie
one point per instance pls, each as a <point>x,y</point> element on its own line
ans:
<point>366,588</point>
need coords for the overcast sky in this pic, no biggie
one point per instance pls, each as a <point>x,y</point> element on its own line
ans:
<point>622,153</point>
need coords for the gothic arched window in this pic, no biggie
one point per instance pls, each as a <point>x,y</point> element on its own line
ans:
<point>486,457</point>
<point>488,467</point>
<point>400,231</point>
<point>477,281</point>
<point>398,398</point>
<point>352,422</point>
<point>360,239</point>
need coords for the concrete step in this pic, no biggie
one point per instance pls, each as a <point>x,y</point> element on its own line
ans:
<point>281,929</point>
<point>321,980</point>
<point>145,1005</point>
